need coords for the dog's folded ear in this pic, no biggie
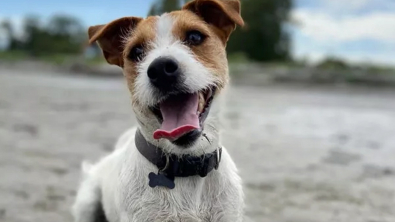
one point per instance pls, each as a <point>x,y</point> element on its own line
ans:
<point>111,37</point>
<point>224,14</point>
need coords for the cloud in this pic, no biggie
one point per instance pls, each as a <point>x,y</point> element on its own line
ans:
<point>323,27</point>
<point>17,25</point>
<point>356,30</point>
<point>16,22</point>
<point>349,5</point>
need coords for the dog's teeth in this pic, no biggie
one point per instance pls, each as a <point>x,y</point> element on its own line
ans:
<point>209,94</point>
<point>201,103</point>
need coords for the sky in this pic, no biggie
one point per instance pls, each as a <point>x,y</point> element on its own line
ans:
<point>354,30</point>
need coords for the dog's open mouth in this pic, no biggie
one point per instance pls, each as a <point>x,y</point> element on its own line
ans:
<point>182,114</point>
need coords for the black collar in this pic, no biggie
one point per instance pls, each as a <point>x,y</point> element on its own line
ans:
<point>171,166</point>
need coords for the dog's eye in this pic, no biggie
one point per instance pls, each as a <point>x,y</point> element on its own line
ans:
<point>194,38</point>
<point>137,53</point>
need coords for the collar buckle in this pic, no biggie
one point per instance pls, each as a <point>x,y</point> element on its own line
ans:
<point>218,158</point>
<point>166,165</point>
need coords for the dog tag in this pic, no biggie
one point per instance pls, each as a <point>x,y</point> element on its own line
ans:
<point>160,180</point>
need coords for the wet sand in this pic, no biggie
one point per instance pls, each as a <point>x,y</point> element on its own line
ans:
<point>306,153</point>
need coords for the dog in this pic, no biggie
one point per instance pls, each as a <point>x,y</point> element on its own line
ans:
<point>172,167</point>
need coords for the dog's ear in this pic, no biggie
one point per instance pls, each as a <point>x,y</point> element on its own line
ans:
<point>111,38</point>
<point>225,15</point>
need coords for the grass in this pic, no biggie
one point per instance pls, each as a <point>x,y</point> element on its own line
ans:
<point>95,60</point>
<point>237,58</point>
<point>13,56</point>
<point>55,59</point>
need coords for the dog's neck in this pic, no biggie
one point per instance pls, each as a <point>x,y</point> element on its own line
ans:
<point>171,166</point>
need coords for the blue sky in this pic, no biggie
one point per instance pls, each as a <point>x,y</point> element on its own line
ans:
<point>90,12</point>
<point>356,30</point>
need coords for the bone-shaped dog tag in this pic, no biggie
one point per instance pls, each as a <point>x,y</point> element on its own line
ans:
<point>160,180</point>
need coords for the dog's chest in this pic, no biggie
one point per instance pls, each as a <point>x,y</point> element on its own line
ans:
<point>186,202</point>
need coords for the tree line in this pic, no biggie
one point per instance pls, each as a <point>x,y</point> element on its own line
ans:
<point>62,34</point>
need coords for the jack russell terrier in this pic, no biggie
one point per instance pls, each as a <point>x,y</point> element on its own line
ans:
<point>172,167</point>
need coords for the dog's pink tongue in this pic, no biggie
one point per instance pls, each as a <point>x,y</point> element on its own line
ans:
<point>179,116</point>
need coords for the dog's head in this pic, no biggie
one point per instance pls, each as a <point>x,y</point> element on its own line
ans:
<point>175,66</point>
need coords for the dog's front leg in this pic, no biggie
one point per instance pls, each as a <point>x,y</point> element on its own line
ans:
<point>227,215</point>
<point>88,206</point>
<point>229,206</point>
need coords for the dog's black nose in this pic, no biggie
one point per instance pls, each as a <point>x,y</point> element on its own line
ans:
<point>164,72</point>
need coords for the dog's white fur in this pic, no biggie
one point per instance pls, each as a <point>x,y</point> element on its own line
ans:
<point>120,180</point>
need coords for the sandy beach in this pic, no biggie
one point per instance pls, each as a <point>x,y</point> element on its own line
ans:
<point>305,153</point>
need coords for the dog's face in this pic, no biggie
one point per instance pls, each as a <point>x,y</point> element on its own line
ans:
<point>175,65</point>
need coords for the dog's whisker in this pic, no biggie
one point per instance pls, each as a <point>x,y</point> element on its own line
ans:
<point>205,136</point>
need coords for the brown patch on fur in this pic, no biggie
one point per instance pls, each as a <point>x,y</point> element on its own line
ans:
<point>224,15</point>
<point>211,53</point>
<point>144,33</point>
<point>110,37</point>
